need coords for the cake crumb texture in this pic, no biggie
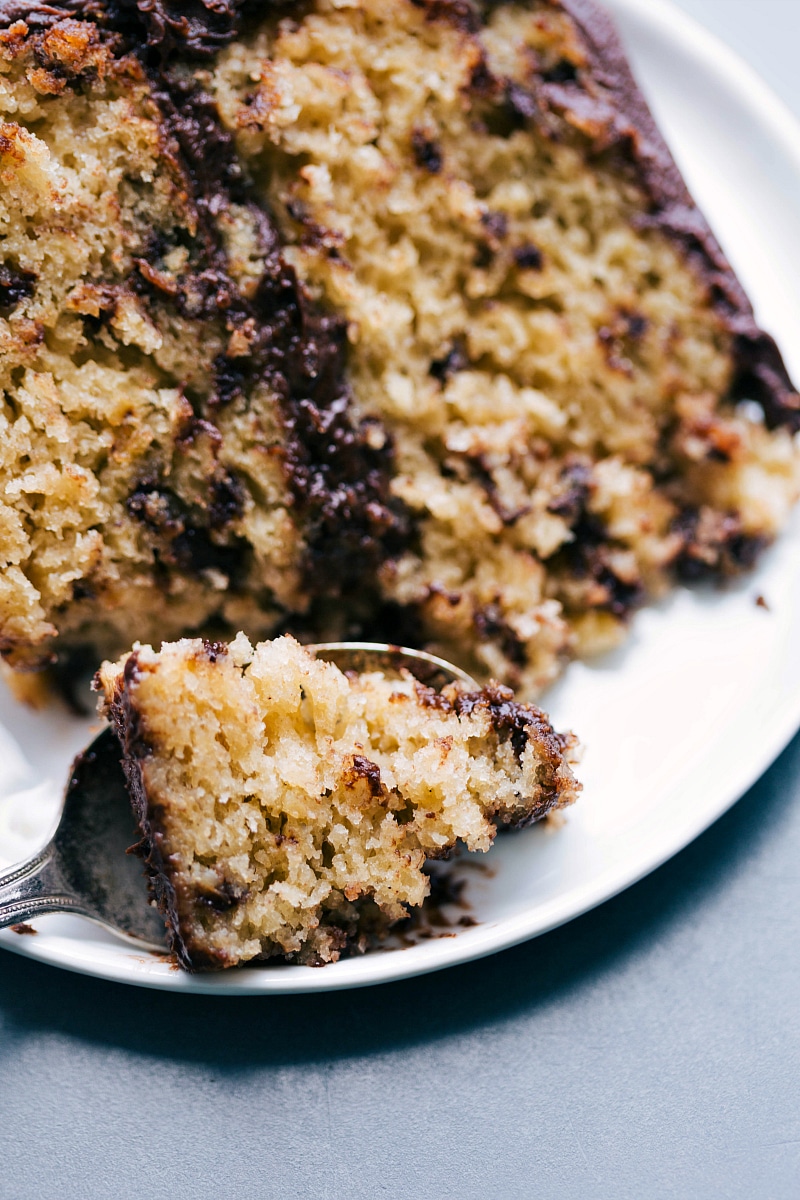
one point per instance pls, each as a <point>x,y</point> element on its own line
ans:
<point>362,317</point>
<point>287,808</point>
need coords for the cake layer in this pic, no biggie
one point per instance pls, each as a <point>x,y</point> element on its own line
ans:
<point>178,441</point>
<point>287,808</point>
<point>377,317</point>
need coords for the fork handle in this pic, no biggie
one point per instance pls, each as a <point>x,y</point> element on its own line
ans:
<point>35,887</point>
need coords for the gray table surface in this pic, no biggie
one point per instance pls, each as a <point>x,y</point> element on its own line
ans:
<point>649,1049</point>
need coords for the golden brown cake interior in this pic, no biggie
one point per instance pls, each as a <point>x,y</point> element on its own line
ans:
<point>288,808</point>
<point>379,316</point>
<point>551,365</point>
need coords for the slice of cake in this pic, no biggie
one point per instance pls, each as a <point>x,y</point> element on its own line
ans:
<point>287,808</point>
<point>389,318</point>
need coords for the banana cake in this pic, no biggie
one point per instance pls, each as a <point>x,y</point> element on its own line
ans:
<point>384,318</point>
<point>287,808</point>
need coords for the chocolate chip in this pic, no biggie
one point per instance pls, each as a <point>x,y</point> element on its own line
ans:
<point>16,285</point>
<point>454,361</point>
<point>528,257</point>
<point>427,152</point>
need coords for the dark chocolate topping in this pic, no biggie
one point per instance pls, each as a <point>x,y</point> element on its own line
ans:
<point>16,285</point>
<point>513,721</point>
<point>599,96</point>
<point>338,467</point>
<point>127,723</point>
<point>366,769</point>
<point>606,98</point>
<point>339,480</point>
<point>715,547</point>
<point>461,13</point>
<point>195,26</point>
<point>427,152</point>
<point>42,16</point>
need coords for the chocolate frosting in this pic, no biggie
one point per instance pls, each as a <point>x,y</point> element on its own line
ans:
<point>601,97</point>
<point>42,16</point>
<point>607,96</point>
<point>201,26</point>
<point>337,469</point>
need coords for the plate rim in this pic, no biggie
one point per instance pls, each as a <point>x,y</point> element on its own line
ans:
<point>672,25</point>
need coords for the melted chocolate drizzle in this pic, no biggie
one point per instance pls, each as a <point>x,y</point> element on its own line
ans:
<point>337,466</point>
<point>339,480</point>
<point>338,471</point>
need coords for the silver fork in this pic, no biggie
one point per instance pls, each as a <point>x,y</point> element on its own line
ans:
<point>84,869</point>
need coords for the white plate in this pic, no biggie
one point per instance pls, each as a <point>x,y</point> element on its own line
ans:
<point>676,725</point>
